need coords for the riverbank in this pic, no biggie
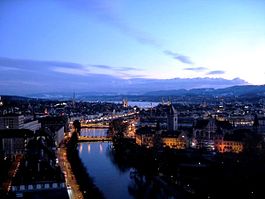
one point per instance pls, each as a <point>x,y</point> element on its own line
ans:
<point>85,183</point>
<point>195,174</point>
<point>71,182</point>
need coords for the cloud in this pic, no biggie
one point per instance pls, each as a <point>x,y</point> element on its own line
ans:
<point>71,71</point>
<point>44,67</point>
<point>27,64</point>
<point>130,76</point>
<point>115,68</point>
<point>4,68</point>
<point>102,66</point>
<point>20,82</point>
<point>107,12</point>
<point>128,69</point>
<point>197,69</point>
<point>182,58</point>
<point>216,72</point>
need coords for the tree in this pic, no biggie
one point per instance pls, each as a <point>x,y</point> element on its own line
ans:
<point>117,129</point>
<point>77,126</point>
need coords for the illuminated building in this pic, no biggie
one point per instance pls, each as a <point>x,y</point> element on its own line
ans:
<point>228,146</point>
<point>174,142</point>
<point>145,137</point>
<point>241,120</point>
<point>125,103</point>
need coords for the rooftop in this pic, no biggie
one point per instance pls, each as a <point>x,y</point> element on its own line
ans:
<point>16,133</point>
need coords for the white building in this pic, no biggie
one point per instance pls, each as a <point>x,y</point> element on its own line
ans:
<point>18,122</point>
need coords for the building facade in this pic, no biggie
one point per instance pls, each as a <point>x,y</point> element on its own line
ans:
<point>172,119</point>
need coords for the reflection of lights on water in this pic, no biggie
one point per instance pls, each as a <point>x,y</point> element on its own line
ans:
<point>93,132</point>
<point>100,148</point>
<point>81,148</point>
<point>88,148</point>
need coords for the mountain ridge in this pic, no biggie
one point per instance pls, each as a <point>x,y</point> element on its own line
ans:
<point>237,91</point>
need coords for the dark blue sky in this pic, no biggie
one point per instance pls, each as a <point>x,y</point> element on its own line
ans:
<point>130,39</point>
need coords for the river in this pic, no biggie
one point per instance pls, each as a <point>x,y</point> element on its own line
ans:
<point>112,174</point>
<point>111,180</point>
<point>107,177</point>
<point>140,104</point>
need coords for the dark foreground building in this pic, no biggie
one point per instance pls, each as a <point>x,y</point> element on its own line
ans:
<point>38,175</point>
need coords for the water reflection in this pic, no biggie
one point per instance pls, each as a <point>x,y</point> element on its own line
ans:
<point>112,181</point>
<point>88,148</point>
<point>100,148</point>
<point>114,175</point>
<point>93,132</point>
<point>80,149</point>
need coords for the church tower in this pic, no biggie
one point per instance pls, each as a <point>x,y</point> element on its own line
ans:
<point>125,103</point>
<point>172,119</point>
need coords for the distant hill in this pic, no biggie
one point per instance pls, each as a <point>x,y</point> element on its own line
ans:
<point>97,85</point>
<point>49,83</point>
<point>257,90</point>
<point>248,91</point>
<point>13,98</point>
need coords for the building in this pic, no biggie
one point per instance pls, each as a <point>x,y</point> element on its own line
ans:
<point>172,118</point>
<point>54,121</point>
<point>14,141</point>
<point>152,137</point>
<point>38,174</point>
<point>242,121</point>
<point>57,133</point>
<point>145,136</point>
<point>32,125</point>
<point>174,140</point>
<point>204,129</point>
<point>261,125</point>
<point>232,142</point>
<point>14,121</point>
<point>55,127</point>
<point>185,122</point>
<point>11,121</point>
<point>125,103</point>
<point>223,146</point>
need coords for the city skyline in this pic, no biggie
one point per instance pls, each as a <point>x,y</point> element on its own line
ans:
<point>72,40</point>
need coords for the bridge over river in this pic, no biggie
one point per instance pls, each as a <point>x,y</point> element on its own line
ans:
<point>99,125</point>
<point>104,121</point>
<point>94,135</point>
<point>94,138</point>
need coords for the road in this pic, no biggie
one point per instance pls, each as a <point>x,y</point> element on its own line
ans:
<point>72,186</point>
<point>11,173</point>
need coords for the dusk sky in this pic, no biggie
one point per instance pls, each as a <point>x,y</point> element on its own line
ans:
<point>132,39</point>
